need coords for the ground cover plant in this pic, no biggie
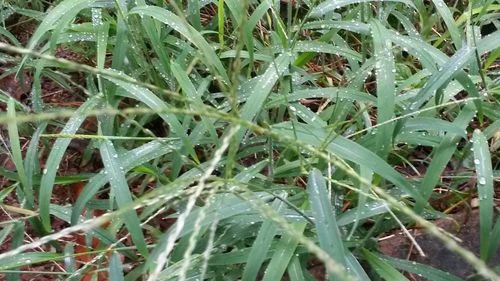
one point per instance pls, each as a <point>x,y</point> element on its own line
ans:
<point>245,140</point>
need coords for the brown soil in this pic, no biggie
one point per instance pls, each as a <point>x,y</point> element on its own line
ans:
<point>463,225</point>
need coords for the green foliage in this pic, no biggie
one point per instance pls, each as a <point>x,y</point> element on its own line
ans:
<point>242,140</point>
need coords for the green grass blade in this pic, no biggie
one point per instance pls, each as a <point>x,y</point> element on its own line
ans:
<point>445,13</point>
<point>441,156</point>
<point>443,76</point>
<point>386,90</point>
<point>333,93</point>
<point>382,268</point>
<point>431,124</point>
<point>17,155</point>
<point>422,270</point>
<point>356,268</point>
<point>67,8</point>
<point>348,150</point>
<point>331,5</point>
<point>17,241</point>
<point>249,27</point>
<point>55,157</point>
<point>184,82</point>
<point>283,254</point>
<point>320,47</point>
<point>220,21</point>
<point>484,172</point>
<point>357,27</point>
<point>28,259</point>
<point>365,211</point>
<point>261,246</point>
<point>150,99</point>
<point>330,238</point>
<point>115,268</point>
<point>494,241</point>
<point>488,43</point>
<point>4,233</point>
<point>9,36</point>
<point>259,88</point>
<point>119,186</point>
<point>295,270</point>
<point>31,164</point>
<point>187,31</point>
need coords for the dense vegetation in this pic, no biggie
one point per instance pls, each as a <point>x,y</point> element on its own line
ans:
<point>244,140</point>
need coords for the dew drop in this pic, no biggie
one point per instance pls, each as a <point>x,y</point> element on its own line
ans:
<point>482,180</point>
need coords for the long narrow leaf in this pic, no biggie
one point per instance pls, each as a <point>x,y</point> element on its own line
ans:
<point>329,235</point>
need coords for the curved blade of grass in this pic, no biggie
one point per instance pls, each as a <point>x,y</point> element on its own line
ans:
<point>452,27</point>
<point>307,115</point>
<point>67,8</point>
<point>259,88</point>
<point>129,160</point>
<point>443,76</point>
<point>31,164</point>
<point>357,27</point>
<point>5,97</point>
<point>70,260</point>
<point>331,5</point>
<point>488,43</point>
<point>250,24</point>
<point>348,150</point>
<point>115,268</point>
<point>329,236</point>
<point>236,8</point>
<point>231,206</point>
<point>386,90</point>
<point>55,157</point>
<point>283,254</point>
<point>320,47</point>
<point>28,259</point>
<point>494,241</point>
<point>429,56</point>
<point>224,206</point>
<point>261,245</point>
<point>367,210</point>
<point>432,124</point>
<point>4,233</point>
<point>184,82</point>
<point>332,93</point>
<point>17,155</point>
<point>362,205</point>
<point>482,161</point>
<point>422,270</point>
<point>406,23</point>
<point>382,268</point>
<point>441,156</point>
<point>119,187</point>
<point>150,99</point>
<point>155,38</point>
<point>295,271</point>
<point>10,36</point>
<point>356,268</point>
<point>16,242</point>
<point>418,139</point>
<point>249,173</point>
<point>181,26</point>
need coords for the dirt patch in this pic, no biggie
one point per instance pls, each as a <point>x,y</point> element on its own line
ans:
<point>463,225</point>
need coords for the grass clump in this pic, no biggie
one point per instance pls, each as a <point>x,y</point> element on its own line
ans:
<point>244,140</point>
